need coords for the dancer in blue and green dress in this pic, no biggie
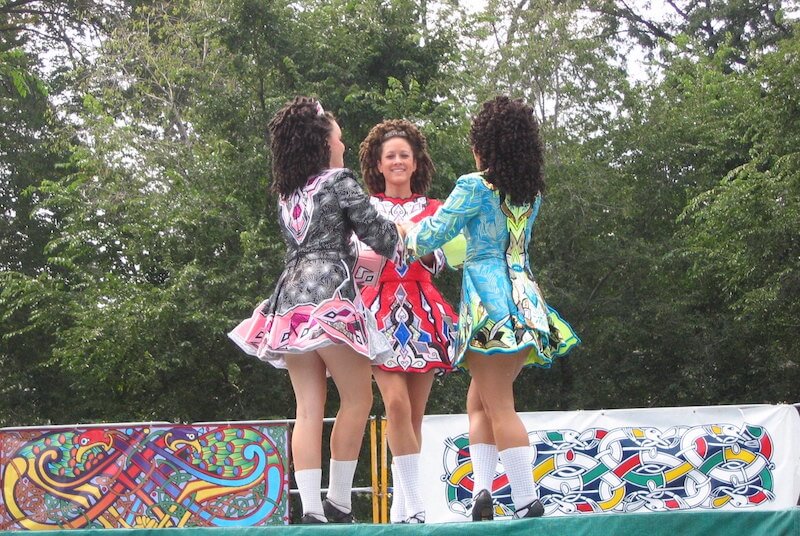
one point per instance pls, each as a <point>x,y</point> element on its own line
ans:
<point>504,324</point>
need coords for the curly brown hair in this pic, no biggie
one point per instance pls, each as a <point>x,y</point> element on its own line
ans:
<point>299,142</point>
<point>370,155</point>
<point>505,136</point>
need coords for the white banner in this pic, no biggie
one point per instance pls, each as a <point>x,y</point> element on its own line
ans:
<point>634,460</point>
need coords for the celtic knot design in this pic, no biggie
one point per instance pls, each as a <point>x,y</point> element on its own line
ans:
<point>632,469</point>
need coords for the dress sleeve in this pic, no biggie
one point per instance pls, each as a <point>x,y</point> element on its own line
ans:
<point>370,227</point>
<point>462,204</point>
<point>438,256</point>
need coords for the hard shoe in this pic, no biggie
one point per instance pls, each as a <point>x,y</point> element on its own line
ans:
<point>417,518</point>
<point>532,509</point>
<point>310,519</point>
<point>335,515</point>
<point>483,506</point>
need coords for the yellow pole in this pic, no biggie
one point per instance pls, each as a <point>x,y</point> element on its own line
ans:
<point>384,476</point>
<point>373,455</point>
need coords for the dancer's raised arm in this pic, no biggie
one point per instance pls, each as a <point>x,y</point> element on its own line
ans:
<point>380,234</point>
<point>463,203</point>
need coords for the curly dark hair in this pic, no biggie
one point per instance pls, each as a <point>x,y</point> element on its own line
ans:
<point>299,142</point>
<point>370,155</point>
<point>505,136</point>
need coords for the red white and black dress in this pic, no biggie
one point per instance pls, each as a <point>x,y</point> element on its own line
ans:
<point>408,308</point>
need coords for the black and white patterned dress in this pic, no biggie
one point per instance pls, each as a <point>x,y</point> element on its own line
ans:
<point>315,302</point>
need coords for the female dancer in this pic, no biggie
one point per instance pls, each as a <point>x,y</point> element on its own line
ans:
<point>418,321</point>
<point>504,323</point>
<point>315,322</point>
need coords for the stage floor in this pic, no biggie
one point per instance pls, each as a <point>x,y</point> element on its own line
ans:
<point>752,523</point>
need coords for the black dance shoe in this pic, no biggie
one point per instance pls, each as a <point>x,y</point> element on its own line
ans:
<point>533,509</point>
<point>416,519</point>
<point>310,519</point>
<point>335,515</point>
<point>483,506</point>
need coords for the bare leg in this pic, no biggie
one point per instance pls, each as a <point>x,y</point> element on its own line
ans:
<point>397,401</point>
<point>480,427</point>
<point>405,395</point>
<point>352,375</point>
<point>483,454</point>
<point>493,379</point>
<point>482,448</point>
<point>419,389</point>
<point>307,373</point>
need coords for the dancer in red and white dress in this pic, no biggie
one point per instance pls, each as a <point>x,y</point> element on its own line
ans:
<point>408,308</point>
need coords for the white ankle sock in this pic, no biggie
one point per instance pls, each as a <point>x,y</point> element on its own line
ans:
<point>397,513</point>
<point>517,464</point>
<point>340,486</point>
<point>484,463</point>
<point>408,469</point>
<point>308,484</point>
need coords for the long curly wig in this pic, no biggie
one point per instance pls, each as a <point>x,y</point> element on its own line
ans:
<point>299,142</point>
<point>370,155</point>
<point>505,136</point>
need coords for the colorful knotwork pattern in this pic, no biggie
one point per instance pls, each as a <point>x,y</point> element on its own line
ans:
<point>144,476</point>
<point>632,469</point>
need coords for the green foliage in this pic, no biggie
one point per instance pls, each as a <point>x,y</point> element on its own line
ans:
<point>741,238</point>
<point>165,234</point>
<point>30,152</point>
<point>138,227</point>
<point>553,56</point>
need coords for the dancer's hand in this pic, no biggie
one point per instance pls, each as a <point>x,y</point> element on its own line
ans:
<point>404,227</point>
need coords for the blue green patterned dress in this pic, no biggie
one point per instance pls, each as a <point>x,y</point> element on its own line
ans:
<point>502,309</point>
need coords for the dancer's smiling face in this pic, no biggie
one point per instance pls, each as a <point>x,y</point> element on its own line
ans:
<point>397,165</point>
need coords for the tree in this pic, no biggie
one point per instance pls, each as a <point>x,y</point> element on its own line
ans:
<point>742,244</point>
<point>166,234</point>
<point>745,27</point>
<point>30,152</point>
<point>554,57</point>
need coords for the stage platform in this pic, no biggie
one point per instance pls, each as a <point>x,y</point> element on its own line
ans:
<point>752,523</point>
